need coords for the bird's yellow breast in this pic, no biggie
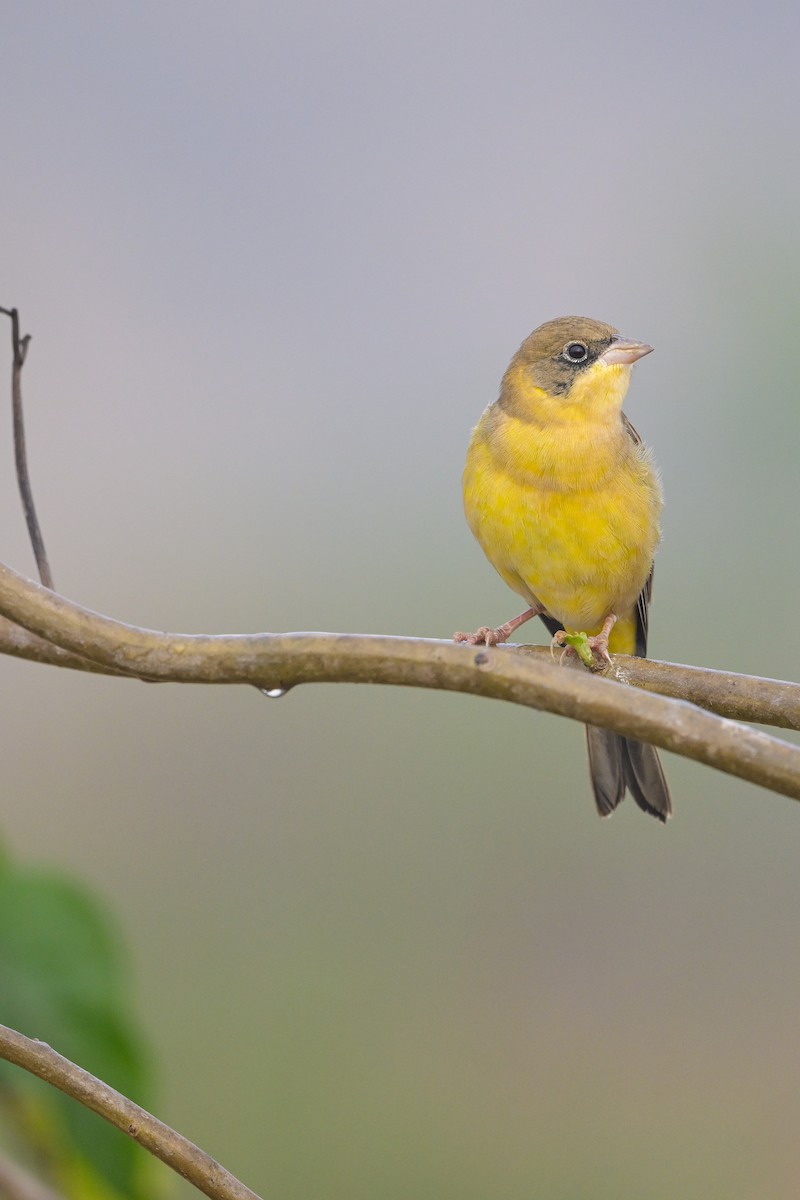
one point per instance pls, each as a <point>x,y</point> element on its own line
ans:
<point>566,511</point>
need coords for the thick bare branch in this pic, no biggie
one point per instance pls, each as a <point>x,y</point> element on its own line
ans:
<point>280,661</point>
<point>172,1148</point>
<point>740,697</point>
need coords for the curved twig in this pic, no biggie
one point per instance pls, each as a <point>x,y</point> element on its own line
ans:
<point>172,1148</point>
<point>277,662</point>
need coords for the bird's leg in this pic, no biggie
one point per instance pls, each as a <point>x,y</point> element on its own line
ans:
<point>486,636</point>
<point>585,646</point>
<point>599,643</point>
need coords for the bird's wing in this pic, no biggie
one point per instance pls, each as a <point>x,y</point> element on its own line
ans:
<point>641,616</point>
<point>631,432</point>
<point>644,596</point>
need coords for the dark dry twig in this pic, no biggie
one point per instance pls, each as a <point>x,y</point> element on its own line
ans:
<point>20,350</point>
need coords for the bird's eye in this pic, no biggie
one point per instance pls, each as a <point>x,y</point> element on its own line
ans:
<point>575,352</point>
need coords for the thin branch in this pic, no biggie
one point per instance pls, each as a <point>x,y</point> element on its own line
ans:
<point>18,1184</point>
<point>19,347</point>
<point>277,662</point>
<point>172,1148</point>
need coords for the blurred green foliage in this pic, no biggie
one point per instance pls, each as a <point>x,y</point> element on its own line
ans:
<point>62,981</point>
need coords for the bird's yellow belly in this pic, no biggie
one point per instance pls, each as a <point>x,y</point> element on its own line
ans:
<point>580,553</point>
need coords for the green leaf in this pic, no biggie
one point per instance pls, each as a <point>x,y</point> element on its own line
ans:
<point>580,644</point>
<point>62,981</point>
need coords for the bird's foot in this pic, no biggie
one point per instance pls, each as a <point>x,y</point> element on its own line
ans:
<point>486,636</point>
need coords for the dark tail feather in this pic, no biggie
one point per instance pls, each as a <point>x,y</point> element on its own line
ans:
<point>617,763</point>
<point>645,779</point>
<point>606,768</point>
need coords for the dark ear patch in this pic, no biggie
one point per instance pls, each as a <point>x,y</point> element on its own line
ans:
<point>557,372</point>
<point>554,375</point>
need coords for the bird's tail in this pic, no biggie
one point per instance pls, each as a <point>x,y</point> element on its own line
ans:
<point>618,763</point>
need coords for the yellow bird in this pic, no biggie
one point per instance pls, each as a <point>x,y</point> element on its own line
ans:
<point>564,498</point>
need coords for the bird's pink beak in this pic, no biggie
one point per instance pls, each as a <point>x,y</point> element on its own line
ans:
<point>624,350</point>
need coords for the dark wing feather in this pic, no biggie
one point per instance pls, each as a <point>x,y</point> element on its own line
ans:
<point>644,598</point>
<point>642,606</point>
<point>552,625</point>
<point>631,431</point>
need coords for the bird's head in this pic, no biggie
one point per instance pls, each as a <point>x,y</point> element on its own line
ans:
<point>571,367</point>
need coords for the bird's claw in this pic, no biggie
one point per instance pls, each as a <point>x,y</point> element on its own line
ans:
<point>599,646</point>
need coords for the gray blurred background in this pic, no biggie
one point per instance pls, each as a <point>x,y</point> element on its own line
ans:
<point>275,258</point>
